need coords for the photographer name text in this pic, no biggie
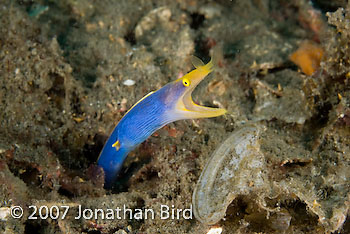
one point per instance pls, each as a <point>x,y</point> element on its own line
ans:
<point>164,212</point>
<point>80,212</point>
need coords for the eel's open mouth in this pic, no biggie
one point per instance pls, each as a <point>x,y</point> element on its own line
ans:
<point>193,110</point>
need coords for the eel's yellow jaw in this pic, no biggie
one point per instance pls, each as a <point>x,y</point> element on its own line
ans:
<point>191,110</point>
<point>185,104</point>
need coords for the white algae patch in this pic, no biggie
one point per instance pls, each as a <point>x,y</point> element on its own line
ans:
<point>129,82</point>
<point>235,168</point>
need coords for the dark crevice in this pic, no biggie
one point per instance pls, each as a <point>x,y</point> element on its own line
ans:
<point>94,232</point>
<point>33,227</point>
<point>276,69</point>
<point>92,151</point>
<point>122,182</point>
<point>328,6</point>
<point>27,172</point>
<point>237,209</point>
<point>130,37</point>
<point>321,118</point>
<point>202,49</point>
<point>30,176</point>
<point>57,92</point>
<point>65,193</point>
<point>346,226</point>
<point>148,175</point>
<point>197,20</point>
<point>295,163</point>
<point>132,170</point>
<point>75,104</point>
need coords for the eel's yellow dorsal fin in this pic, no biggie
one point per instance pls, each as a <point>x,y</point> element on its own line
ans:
<point>197,62</point>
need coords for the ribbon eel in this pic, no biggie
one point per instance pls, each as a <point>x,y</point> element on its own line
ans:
<point>170,103</point>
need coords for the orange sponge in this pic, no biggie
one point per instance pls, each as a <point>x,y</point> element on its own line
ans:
<point>307,57</point>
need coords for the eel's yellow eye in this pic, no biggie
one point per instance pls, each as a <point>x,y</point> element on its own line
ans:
<point>186,82</point>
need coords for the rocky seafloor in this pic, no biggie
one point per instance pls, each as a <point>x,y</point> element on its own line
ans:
<point>71,69</point>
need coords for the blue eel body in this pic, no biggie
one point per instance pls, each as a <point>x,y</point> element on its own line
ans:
<point>170,103</point>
